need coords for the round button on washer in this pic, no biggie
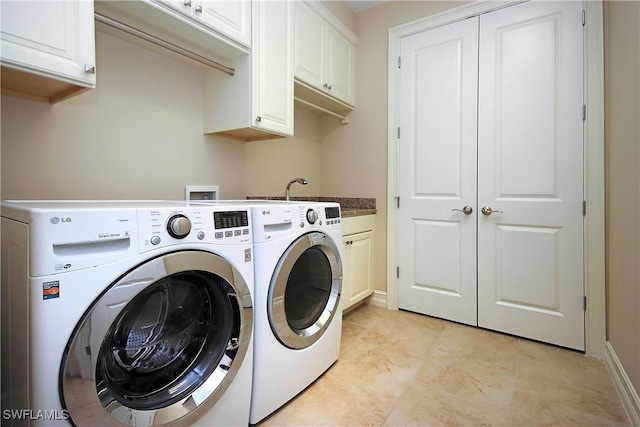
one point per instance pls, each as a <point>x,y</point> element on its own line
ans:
<point>155,240</point>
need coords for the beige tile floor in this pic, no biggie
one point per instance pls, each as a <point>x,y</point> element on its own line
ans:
<point>402,369</point>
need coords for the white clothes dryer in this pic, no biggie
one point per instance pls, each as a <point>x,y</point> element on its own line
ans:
<point>126,313</point>
<point>298,306</point>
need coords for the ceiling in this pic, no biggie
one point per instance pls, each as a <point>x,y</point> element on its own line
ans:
<point>358,6</point>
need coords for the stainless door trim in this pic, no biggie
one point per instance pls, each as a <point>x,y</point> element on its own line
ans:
<point>79,392</point>
<point>293,338</point>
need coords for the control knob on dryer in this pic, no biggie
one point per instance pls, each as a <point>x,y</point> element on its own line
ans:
<point>312,216</point>
<point>178,226</point>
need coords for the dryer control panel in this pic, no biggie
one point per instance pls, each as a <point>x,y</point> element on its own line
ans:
<point>277,221</point>
<point>319,215</point>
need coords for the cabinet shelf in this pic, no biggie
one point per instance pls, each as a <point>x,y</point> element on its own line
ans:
<point>21,84</point>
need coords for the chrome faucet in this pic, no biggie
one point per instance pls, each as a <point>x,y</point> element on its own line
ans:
<point>299,181</point>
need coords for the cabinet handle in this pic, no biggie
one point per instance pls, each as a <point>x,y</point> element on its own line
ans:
<point>198,8</point>
<point>187,3</point>
<point>89,68</point>
<point>258,119</point>
<point>329,87</point>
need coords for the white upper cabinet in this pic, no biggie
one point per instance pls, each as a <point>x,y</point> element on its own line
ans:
<point>231,18</point>
<point>341,62</point>
<point>310,37</point>
<point>218,31</point>
<point>272,63</point>
<point>324,55</point>
<point>48,48</point>
<point>257,102</point>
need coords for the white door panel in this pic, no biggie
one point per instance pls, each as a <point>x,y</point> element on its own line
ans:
<point>438,174</point>
<point>491,116</point>
<point>530,164</point>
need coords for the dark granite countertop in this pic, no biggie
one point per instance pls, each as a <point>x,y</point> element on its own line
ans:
<point>349,206</point>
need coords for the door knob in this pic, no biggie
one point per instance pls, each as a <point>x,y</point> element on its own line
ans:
<point>486,210</point>
<point>467,210</point>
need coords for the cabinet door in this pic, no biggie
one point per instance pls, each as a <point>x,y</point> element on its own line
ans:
<point>228,18</point>
<point>357,283</point>
<point>272,63</point>
<point>341,60</point>
<point>309,34</point>
<point>181,6</point>
<point>50,38</point>
<point>232,18</point>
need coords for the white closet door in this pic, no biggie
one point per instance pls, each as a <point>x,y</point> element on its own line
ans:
<point>530,167</point>
<point>437,172</point>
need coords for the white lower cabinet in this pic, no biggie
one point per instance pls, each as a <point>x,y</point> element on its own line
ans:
<point>357,243</point>
<point>47,49</point>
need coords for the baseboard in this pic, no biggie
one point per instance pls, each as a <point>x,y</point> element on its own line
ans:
<point>627,392</point>
<point>378,298</point>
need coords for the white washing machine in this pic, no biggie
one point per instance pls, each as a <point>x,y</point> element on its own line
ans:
<point>126,313</point>
<point>298,306</point>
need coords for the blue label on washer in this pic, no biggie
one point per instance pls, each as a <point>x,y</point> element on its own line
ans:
<point>51,290</point>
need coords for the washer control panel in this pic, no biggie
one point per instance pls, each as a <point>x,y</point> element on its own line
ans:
<point>193,224</point>
<point>312,216</point>
<point>179,226</point>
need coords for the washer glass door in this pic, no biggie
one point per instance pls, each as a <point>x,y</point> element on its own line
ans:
<point>161,344</point>
<point>304,294</point>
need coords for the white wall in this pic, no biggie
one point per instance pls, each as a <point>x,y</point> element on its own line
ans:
<point>272,164</point>
<point>138,135</point>
<point>622,140</point>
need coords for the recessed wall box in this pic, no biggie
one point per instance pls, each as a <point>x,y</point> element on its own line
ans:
<point>201,192</point>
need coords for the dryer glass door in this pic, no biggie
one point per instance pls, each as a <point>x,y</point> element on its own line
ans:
<point>162,348</point>
<point>304,294</point>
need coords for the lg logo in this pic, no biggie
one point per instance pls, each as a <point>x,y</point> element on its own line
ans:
<point>56,220</point>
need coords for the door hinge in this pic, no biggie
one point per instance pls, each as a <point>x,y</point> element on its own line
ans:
<point>397,272</point>
<point>398,202</point>
<point>399,62</point>
<point>584,208</point>
<point>398,132</point>
<point>584,18</point>
<point>585,303</point>
<point>584,112</point>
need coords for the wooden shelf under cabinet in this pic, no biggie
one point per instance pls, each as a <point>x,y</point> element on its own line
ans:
<point>36,88</point>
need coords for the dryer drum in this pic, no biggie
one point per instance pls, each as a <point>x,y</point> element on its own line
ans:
<point>308,289</point>
<point>304,292</point>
